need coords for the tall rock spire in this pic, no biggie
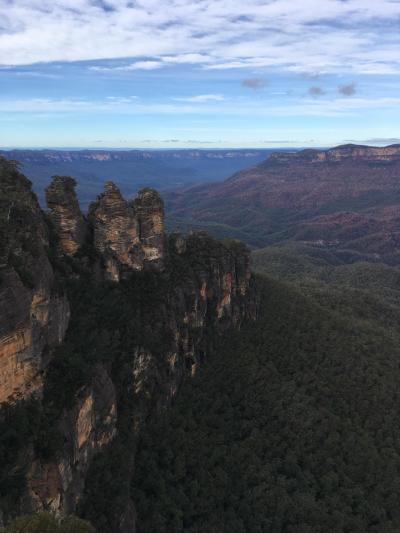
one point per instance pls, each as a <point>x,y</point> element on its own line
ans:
<point>65,214</point>
<point>116,232</point>
<point>150,211</point>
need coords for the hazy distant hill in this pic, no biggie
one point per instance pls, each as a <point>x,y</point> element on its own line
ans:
<point>132,169</point>
<point>345,198</point>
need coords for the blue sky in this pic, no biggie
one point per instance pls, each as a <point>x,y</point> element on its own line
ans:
<point>199,73</point>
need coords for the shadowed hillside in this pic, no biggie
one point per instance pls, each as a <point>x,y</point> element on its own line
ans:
<point>292,427</point>
<point>343,198</point>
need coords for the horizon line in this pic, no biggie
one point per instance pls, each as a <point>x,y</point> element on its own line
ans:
<point>199,148</point>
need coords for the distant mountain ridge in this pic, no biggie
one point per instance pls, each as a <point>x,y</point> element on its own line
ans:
<point>125,155</point>
<point>347,197</point>
<point>339,153</point>
<point>133,169</point>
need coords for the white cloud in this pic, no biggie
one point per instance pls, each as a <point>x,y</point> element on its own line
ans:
<point>138,65</point>
<point>201,98</point>
<point>187,58</point>
<point>211,104</point>
<point>308,36</point>
<point>376,140</point>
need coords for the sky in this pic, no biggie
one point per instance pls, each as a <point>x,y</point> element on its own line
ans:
<point>199,73</point>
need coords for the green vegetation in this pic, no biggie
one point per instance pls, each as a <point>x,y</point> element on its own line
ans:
<point>291,427</point>
<point>219,231</point>
<point>47,523</point>
<point>364,291</point>
<point>19,425</point>
<point>108,320</point>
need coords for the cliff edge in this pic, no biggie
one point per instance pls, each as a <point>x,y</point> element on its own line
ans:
<point>102,317</point>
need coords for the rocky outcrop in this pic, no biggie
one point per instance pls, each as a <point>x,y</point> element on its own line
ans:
<point>116,233</point>
<point>205,288</point>
<point>65,214</point>
<point>128,235</point>
<point>88,428</point>
<point>150,213</point>
<point>34,314</point>
<point>212,293</point>
<point>340,153</point>
<point>174,296</point>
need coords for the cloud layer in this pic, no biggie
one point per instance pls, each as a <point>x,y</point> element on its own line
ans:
<point>212,104</point>
<point>309,36</point>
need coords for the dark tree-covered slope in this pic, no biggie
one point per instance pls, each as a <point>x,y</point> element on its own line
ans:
<point>292,427</point>
<point>101,320</point>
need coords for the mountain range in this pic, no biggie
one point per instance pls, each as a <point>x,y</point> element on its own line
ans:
<point>154,381</point>
<point>345,198</point>
<point>131,169</point>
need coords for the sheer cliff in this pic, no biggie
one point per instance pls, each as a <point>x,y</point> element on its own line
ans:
<point>101,319</point>
<point>34,311</point>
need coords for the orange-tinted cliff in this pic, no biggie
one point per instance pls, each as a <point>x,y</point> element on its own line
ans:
<point>66,214</point>
<point>120,360</point>
<point>34,313</point>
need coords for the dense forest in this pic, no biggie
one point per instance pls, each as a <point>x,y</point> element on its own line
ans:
<point>290,424</point>
<point>291,427</point>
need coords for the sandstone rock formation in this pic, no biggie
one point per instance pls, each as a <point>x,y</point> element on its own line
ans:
<point>34,314</point>
<point>128,235</point>
<point>182,292</point>
<point>88,428</point>
<point>116,233</point>
<point>66,214</point>
<point>340,153</point>
<point>150,212</point>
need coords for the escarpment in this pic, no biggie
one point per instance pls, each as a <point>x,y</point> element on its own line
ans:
<point>301,196</point>
<point>349,152</point>
<point>144,310</point>
<point>34,311</point>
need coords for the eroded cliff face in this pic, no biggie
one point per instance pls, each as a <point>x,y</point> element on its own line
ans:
<point>341,153</point>
<point>57,485</point>
<point>150,212</point>
<point>65,214</point>
<point>162,330</point>
<point>116,233</point>
<point>128,235</point>
<point>130,343</point>
<point>34,314</point>
<point>208,289</point>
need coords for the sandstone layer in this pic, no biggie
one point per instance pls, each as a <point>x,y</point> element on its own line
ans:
<point>65,214</point>
<point>116,232</point>
<point>174,296</point>
<point>34,313</point>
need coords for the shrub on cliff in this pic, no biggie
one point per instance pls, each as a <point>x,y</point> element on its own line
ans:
<point>47,523</point>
